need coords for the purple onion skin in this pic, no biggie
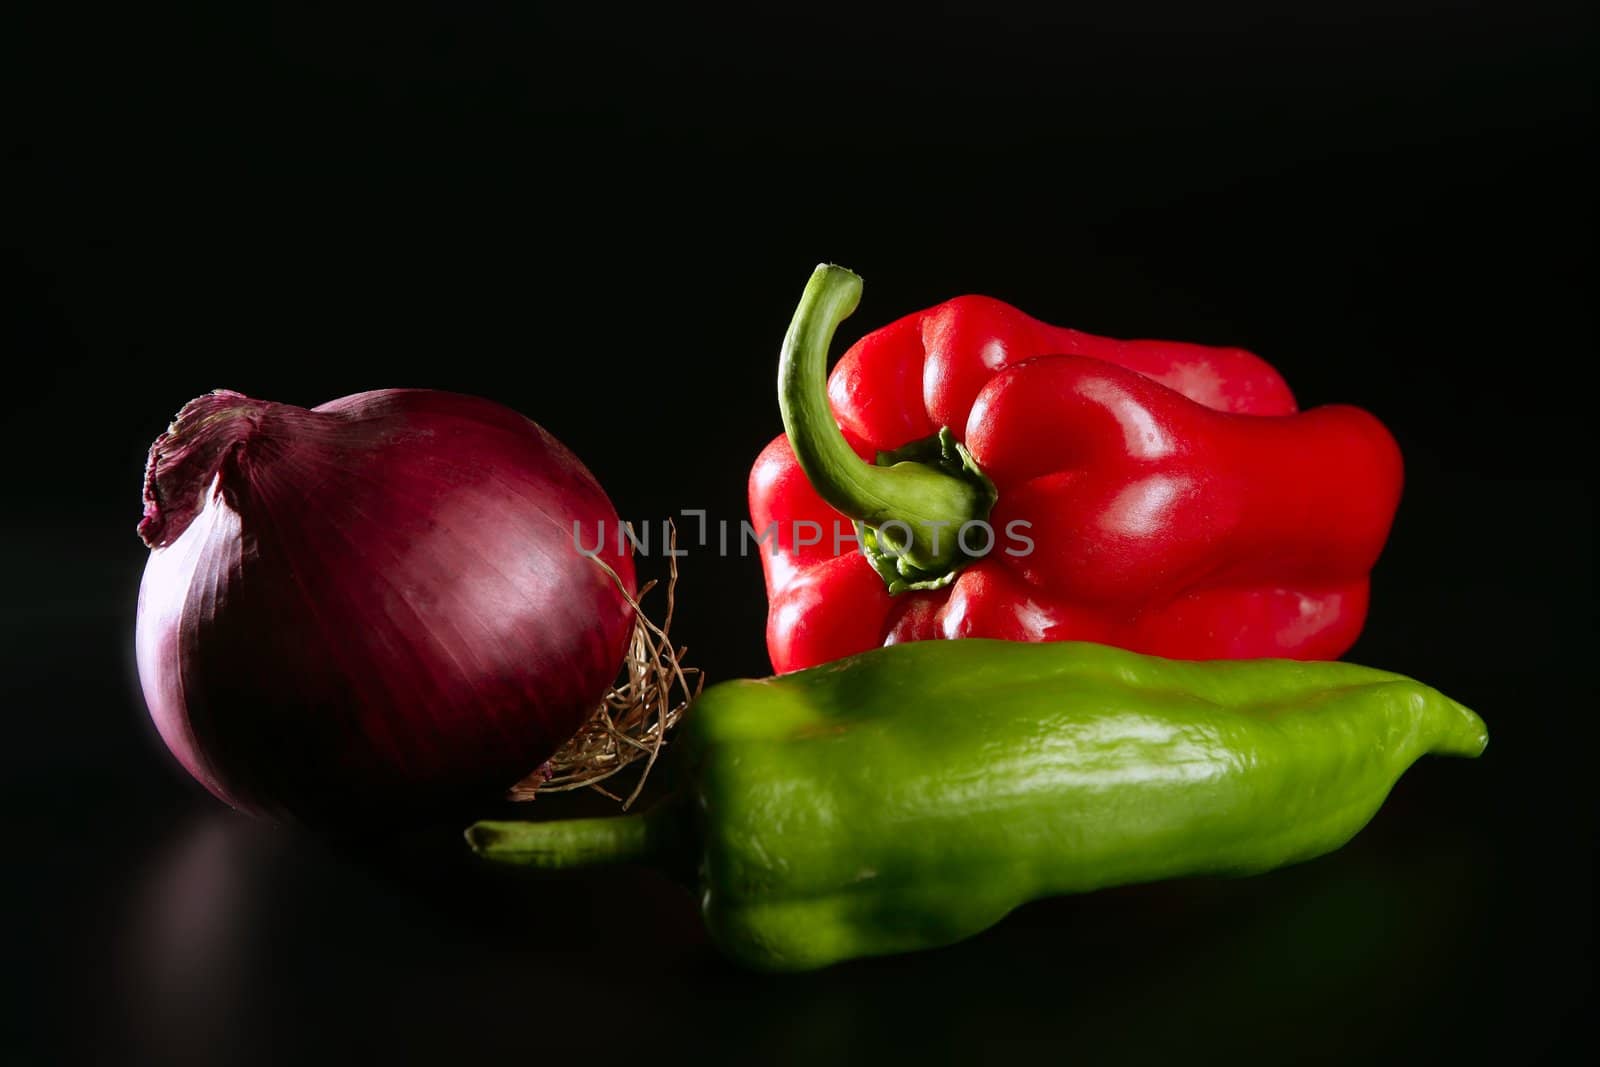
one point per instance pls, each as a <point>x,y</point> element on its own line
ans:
<point>372,604</point>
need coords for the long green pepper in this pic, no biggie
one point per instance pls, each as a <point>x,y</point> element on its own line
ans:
<point>911,796</point>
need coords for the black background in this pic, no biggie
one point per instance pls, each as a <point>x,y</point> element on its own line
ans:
<point>603,219</point>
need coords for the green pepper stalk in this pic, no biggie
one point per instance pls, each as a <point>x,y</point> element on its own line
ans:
<point>913,795</point>
<point>922,498</point>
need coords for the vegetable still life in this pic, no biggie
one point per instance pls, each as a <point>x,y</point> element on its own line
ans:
<point>1048,613</point>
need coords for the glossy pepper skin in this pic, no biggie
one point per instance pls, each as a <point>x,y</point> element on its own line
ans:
<point>1169,497</point>
<point>911,796</point>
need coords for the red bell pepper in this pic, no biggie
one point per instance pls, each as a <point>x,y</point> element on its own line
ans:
<point>1167,498</point>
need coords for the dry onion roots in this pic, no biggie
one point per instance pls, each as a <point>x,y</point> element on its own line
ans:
<point>632,721</point>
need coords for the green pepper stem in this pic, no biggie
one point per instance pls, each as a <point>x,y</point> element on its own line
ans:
<point>565,843</point>
<point>931,502</point>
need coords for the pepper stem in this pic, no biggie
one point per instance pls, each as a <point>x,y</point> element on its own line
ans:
<point>565,843</point>
<point>928,502</point>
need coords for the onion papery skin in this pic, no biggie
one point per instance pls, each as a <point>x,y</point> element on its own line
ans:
<point>378,603</point>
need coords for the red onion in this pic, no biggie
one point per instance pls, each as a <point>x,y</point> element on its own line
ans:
<point>377,601</point>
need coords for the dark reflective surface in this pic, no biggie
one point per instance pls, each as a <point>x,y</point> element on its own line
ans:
<point>584,214</point>
<point>173,932</point>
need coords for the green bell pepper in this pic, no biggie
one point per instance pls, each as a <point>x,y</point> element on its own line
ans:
<point>911,796</point>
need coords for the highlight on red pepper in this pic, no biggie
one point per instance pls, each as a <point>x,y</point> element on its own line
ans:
<point>974,472</point>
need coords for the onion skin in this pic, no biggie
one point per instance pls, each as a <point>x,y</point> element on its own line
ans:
<point>377,602</point>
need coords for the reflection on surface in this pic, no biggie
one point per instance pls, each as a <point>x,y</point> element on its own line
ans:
<point>190,938</point>
<point>241,942</point>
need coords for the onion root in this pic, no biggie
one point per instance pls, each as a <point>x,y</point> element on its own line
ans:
<point>652,692</point>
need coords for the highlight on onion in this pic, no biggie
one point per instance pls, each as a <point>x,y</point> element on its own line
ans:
<point>381,602</point>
